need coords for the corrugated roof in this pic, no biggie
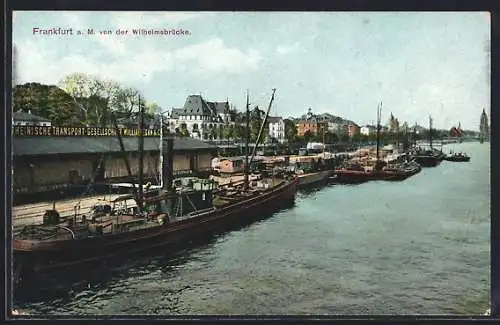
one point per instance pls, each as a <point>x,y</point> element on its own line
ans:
<point>25,146</point>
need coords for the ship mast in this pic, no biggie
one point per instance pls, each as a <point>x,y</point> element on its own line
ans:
<point>379,113</point>
<point>127,163</point>
<point>160,170</point>
<point>247,133</point>
<point>262,126</point>
<point>324,144</point>
<point>430,131</point>
<point>141,153</point>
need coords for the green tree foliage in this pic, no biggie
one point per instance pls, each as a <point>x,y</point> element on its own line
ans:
<point>221,132</point>
<point>344,138</point>
<point>239,132</point>
<point>307,136</point>
<point>331,137</point>
<point>213,133</point>
<point>152,109</point>
<point>47,101</point>
<point>82,99</point>
<point>256,119</point>
<point>290,131</point>
<point>183,131</point>
<point>229,132</point>
<point>125,102</point>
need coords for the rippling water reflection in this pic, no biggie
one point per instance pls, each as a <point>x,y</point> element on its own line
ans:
<point>415,247</point>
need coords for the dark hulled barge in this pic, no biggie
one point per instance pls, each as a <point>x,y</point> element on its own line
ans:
<point>172,217</point>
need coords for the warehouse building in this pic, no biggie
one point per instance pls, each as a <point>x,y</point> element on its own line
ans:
<point>48,162</point>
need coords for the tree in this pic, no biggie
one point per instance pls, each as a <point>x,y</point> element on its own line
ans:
<point>152,108</point>
<point>47,101</point>
<point>183,130</point>
<point>97,98</point>
<point>331,137</point>
<point>127,102</point>
<point>256,119</point>
<point>221,131</point>
<point>240,132</point>
<point>80,86</point>
<point>213,133</point>
<point>307,136</point>
<point>228,132</point>
<point>106,90</point>
<point>344,138</point>
<point>196,130</point>
<point>290,131</point>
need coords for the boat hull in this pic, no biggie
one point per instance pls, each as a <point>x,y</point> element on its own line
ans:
<point>351,176</point>
<point>427,161</point>
<point>42,256</point>
<point>461,159</point>
<point>355,176</point>
<point>311,179</point>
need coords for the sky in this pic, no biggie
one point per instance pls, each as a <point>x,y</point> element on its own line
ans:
<point>343,63</point>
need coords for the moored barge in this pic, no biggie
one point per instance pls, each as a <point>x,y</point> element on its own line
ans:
<point>37,248</point>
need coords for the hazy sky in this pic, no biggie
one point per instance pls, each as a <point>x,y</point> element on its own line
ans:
<point>342,63</point>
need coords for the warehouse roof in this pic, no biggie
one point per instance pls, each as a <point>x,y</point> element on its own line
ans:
<point>25,146</point>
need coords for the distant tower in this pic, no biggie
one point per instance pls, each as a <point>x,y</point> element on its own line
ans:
<point>484,129</point>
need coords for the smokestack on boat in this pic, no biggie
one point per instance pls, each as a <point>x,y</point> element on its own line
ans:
<point>167,163</point>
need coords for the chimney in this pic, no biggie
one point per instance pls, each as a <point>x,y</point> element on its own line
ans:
<point>168,161</point>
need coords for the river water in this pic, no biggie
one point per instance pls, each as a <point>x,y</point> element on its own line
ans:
<point>421,246</point>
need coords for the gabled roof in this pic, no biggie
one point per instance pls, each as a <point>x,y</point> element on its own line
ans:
<point>176,112</point>
<point>219,107</point>
<point>310,120</point>
<point>22,116</point>
<point>274,119</point>
<point>26,146</point>
<point>195,105</point>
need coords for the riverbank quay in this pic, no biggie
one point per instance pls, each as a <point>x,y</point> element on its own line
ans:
<point>32,214</point>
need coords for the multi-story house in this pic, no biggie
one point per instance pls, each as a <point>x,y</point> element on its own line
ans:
<point>201,118</point>
<point>339,128</point>
<point>311,123</point>
<point>352,129</point>
<point>368,130</point>
<point>276,129</point>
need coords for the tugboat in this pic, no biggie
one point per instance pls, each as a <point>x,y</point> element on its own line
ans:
<point>174,214</point>
<point>457,157</point>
